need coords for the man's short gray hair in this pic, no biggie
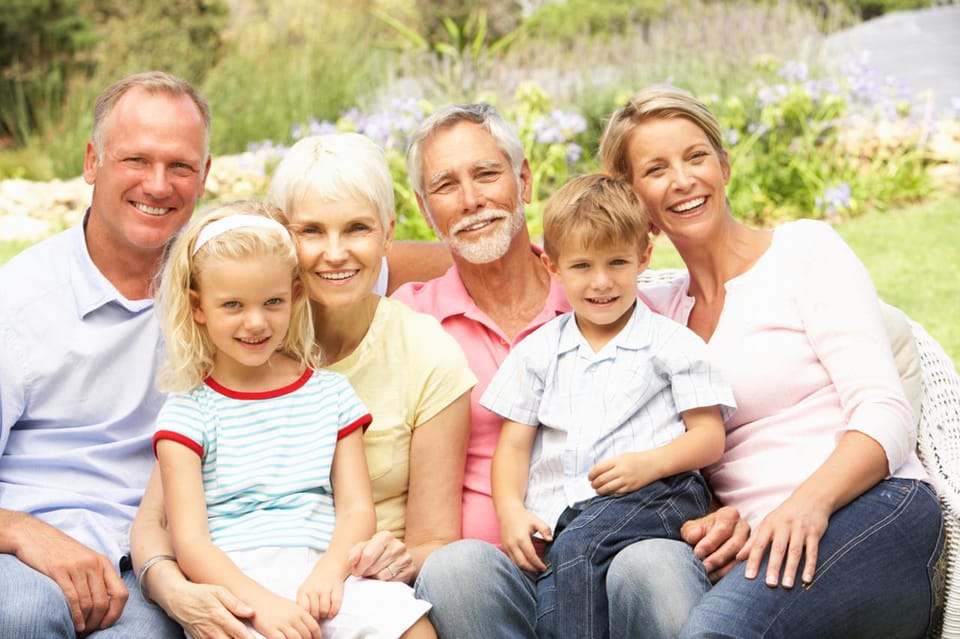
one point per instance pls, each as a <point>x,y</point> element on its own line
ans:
<point>480,113</point>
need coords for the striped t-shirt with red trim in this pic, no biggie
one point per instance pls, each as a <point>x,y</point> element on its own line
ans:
<point>266,457</point>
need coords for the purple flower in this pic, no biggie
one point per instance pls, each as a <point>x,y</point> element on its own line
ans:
<point>574,151</point>
<point>835,199</point>
<point>793,71</point>
<point>558,126</point>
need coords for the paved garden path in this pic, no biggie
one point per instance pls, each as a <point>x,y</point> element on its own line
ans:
<point>921,48</point>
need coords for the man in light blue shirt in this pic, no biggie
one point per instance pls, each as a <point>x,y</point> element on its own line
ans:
<point>78,350</point>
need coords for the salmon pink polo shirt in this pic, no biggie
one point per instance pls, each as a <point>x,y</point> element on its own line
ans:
<point>485,346</point>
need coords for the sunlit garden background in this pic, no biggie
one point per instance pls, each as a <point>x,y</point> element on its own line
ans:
<point>809,134</point>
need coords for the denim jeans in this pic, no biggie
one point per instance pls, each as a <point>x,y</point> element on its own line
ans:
<point>664,582</point>
<point>32,606</point>
<point>880,573</point>
<point>571,594</point>
<point>477,592</point>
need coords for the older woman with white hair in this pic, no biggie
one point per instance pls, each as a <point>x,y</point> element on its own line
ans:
<point>336,192</point>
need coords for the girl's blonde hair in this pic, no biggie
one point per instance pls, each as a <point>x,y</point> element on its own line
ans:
<point>594,211</point>
<point>189,351</point>
<point>656,101</point>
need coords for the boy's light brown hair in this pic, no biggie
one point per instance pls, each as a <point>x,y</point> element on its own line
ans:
<point>594,211</point>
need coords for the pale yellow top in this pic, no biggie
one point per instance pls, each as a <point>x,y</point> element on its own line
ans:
<point>406,370</point>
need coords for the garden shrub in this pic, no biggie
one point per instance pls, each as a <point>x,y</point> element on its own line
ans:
<point>40,46</point>
<point>804,146</point>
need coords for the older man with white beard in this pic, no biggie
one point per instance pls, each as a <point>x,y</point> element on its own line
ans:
<point>468,170</point>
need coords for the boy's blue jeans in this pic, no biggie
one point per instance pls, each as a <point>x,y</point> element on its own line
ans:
<point>571,593</point>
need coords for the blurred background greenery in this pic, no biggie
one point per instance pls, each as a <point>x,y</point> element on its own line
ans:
<point>808,136</point>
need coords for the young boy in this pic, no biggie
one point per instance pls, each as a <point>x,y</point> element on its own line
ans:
<point>609,411</point>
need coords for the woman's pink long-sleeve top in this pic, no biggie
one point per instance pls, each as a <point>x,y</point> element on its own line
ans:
<point>802,341</point>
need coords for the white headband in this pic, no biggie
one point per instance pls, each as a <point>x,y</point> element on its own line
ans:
<point>231,222</point>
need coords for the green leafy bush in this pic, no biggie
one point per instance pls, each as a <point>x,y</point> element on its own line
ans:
<point>802,146</point>
<point>287,62</point>
<point>40,43</point>
<point>568,21</point>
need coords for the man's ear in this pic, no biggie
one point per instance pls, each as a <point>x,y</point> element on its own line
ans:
<point>195,308</point>
<point>550,265</point>
<point>206,174</point>
<point>526,182</point>
<point>426,214</point>
<point>90,163</point>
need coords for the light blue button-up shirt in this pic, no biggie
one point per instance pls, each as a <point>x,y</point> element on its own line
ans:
<point>591,406</point>
<point>77,397</point>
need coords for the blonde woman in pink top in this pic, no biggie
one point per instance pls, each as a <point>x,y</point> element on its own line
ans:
<point>845,533</point>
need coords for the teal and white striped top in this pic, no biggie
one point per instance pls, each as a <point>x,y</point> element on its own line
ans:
<point>266,456</point>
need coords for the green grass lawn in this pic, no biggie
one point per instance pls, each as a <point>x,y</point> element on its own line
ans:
<point>913,255</point>
<point>9,249</point>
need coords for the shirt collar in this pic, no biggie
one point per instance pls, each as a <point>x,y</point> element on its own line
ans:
<point>91,289</point>
<point>455,299</point>
<point>635,335</point>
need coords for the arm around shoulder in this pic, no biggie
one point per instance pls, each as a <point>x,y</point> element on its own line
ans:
<point>412,261</point>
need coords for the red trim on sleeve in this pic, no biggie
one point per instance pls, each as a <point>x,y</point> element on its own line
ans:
<point>362,422</point>
<point>180,439</point>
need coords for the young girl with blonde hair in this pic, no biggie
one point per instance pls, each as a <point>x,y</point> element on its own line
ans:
<point>260,452</point>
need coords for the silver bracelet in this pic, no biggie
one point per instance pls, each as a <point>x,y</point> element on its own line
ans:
<point>149,563</point>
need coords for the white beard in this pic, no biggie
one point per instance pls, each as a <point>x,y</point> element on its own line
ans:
<point>491,246</point>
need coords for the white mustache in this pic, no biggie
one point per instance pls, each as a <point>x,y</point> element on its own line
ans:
<point>478,218</point>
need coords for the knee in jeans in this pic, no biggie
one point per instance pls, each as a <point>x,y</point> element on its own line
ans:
<point>653,556</point>
<point>451,566</point>
<point>41,613</point>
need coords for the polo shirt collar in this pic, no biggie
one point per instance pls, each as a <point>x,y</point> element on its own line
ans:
<point>91,290</point>
<point>455,299</point>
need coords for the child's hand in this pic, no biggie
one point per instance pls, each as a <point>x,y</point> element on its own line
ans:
<point>279,618</point>
<point>624,473</point>
<point>793,531</point>
<point>322,592</point>
<point>516,530</point>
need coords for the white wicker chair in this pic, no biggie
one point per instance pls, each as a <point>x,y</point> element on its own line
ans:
<point>939,447</point>
<point>938,444</point>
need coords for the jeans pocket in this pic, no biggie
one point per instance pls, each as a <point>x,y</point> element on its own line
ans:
<point>690,500</point>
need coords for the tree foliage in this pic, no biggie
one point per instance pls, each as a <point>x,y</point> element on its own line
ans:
<point>40,43</point>
<point>182,37</point>
<point>50,47</point>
